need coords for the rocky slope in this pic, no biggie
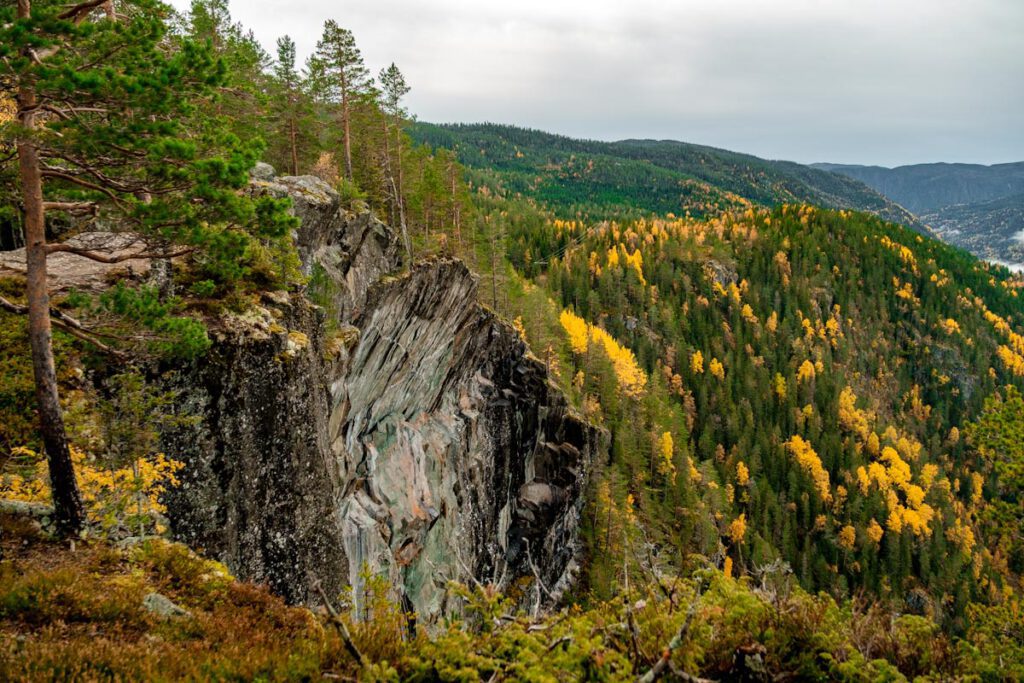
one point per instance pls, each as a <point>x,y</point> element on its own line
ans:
<point>412,436</point>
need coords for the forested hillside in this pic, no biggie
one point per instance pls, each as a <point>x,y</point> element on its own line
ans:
<point>978,208</point>
<point>797,381</point>
<point>639,176</point>
<point>766,432</point>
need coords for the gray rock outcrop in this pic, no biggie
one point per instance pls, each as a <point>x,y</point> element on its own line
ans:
<point>412,435</point>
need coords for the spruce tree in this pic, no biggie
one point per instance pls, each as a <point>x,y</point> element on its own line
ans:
<point>112,122</point>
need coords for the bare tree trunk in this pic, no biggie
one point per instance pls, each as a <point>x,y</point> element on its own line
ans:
<point>401,187</point>
<point>396,192</point>
<point>295,148</point>
<point>456,217</point>
<point>346,118</point>
<point>393,208</point>
<point>69,513</point>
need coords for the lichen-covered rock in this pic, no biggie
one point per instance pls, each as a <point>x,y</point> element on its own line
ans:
<point>163,607</point>
<point>259,488</point>
<point>353,250</point>
<point>419,440</point>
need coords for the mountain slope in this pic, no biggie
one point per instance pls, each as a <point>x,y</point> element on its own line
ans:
<point>978,208</point>
<point>785,387</point>
<point>789,386</point>
<point>923,188</point>
<point>991,229</point>
<point>643,176</point>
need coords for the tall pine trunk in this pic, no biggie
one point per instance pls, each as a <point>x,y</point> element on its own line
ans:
<point>69,513</point>
<point>346,123</point>
<point>295,148</point>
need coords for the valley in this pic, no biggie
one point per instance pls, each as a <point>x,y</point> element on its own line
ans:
<point>296,386</point>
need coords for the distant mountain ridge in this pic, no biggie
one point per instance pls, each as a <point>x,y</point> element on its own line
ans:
<point>979,208</point>
<point>924,188</point>
<point>660,176</point>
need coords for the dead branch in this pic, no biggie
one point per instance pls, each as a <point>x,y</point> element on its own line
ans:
<point>664,662</point>
<point>336,619</point>
<point>79,12</point>
<point>70,326</point>
<point>71,207</point>
<point>539,584</point>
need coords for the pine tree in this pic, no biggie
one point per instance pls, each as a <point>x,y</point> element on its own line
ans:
<point>291,107</point>
<point>111,123</point>
<point>339,75</point>
<point>243,94</point>
<point>393,88</point>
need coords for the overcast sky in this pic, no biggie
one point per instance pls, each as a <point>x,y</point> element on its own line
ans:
<point>858,81</point>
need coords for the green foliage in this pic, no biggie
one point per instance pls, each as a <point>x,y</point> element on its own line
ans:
<point>82,612</point>
<point>145,126</point>
<point>633,178</point>
<point>17,386</point>
<point>998,435</point>
<point>171,336</point>
<point>763,296</point>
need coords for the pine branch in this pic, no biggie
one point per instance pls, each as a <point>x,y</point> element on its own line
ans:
<point>68,325</point>
<point>53,173</point>
<point>105,258</point>
<point>79,12</point>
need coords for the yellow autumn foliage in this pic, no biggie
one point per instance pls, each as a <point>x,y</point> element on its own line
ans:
<point>697,362</point>
<point>121,497</point>
<point>666,450</point>
<point>851,418</point>
<point>631,378</point>
<point>875,531</point>
<point>806,371</point>
<point>742,474</point>
<point>576,328</point>
<point>962,535</point>
<point>847,537</point>
<point>811,463</point>
<point>779,386</point>
<point>738,529</point>
<point>8,109</point>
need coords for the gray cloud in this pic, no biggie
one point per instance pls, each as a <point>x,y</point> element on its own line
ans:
<point>861,81</point>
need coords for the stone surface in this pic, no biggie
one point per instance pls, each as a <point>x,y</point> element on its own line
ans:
<point>460,458</point>
<point>68,271</point>
<point>163,607</point>
<point>418,439</point>
<point>353,251</point>
<point>263,172</point>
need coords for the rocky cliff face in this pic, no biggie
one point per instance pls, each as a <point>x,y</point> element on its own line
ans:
<point>412,436</point>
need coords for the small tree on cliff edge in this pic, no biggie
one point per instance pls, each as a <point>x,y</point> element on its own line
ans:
<point>110,122</point>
